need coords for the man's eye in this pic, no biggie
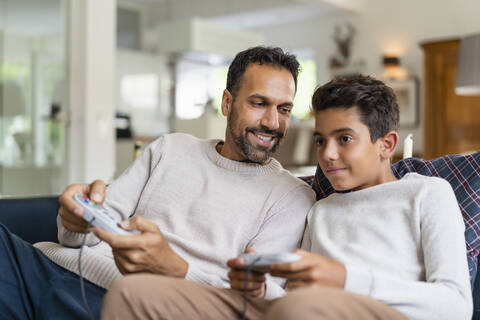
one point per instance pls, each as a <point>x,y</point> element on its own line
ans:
<point>258,103</point>
<point>345,139</point>
<point>319,142</point>
<point>285,110</point>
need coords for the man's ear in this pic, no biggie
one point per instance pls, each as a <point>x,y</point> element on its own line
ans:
<point>388,144</point>
<point>227,100</point>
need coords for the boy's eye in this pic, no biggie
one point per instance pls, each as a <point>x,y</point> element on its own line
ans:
<point>345,139</point>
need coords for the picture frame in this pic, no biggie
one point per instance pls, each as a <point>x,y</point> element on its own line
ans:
<point>406,92</point>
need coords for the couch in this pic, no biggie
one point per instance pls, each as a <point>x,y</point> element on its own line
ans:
<point>34,219</point>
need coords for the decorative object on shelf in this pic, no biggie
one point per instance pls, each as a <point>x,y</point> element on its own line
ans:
<point>407,98</point>
<point>341,63</point>
<point>468,67</point>
<point>408,146</point>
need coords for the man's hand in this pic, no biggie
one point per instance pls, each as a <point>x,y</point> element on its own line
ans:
<point>71,212</point>
<point>256,285</point>
<point>312,269</point>
<point>145,252</point>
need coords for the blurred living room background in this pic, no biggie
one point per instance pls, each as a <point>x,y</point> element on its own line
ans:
<point>86,84</point>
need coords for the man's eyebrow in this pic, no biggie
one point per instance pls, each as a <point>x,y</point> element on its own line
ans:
<point>336,131</point>
<point>264,98</point>
<point>258,96</point>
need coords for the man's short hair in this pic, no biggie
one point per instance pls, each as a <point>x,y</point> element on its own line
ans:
<point>261,55</point>
<point>376,102</point>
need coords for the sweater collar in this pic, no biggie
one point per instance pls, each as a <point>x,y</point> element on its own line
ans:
<point>238,166</point>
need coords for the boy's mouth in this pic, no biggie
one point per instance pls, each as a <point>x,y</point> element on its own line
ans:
<point>335,170</point>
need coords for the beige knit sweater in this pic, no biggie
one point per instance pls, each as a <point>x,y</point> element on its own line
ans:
<point>210,209</point>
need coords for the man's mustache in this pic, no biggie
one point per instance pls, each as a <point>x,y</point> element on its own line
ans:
<point>274,133</point>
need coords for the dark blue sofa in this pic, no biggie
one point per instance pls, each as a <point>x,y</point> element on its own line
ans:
<point>34,220</point>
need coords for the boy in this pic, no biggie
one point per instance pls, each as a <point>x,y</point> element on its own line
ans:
<point>399,242</point>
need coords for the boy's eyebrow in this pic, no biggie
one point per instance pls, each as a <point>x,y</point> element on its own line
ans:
<point>336,131</point>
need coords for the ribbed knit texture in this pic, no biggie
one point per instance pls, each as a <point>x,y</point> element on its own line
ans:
<point>210,209</point>
<point>402,243</point>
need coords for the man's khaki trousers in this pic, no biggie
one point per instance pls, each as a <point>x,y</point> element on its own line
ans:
<point>146,296</point>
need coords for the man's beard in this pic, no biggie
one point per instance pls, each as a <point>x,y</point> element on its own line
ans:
<point>257,154</point>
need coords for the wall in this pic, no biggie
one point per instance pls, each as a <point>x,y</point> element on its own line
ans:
<point>384,27</point>
<point>145,121</point>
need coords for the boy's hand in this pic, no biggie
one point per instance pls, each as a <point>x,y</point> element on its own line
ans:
<point>311,269</point>
<point>146,252</point>
<point>70,212</point>
<point>256,285</point>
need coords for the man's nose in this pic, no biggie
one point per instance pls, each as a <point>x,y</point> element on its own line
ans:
<point>270,118</point>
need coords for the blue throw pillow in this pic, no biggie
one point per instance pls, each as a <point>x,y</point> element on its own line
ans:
<point>463,174</point>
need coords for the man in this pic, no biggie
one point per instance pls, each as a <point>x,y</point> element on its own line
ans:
<point>195,202</point>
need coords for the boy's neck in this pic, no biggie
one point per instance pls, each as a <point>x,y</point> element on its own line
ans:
<point>386,174</point>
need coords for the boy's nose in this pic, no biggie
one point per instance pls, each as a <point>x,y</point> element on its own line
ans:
<point>330,152</point>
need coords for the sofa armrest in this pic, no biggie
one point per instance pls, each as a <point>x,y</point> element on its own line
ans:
<point>32,219</point>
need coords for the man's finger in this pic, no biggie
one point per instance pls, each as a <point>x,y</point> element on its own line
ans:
<point>141,224</point>
<point>250,250</point>
<point>236,263</point>
<point>97,191</point>
<point>73,227</point>
<point>66,198</point>
<point>119,241</point>
<point>71,218</point>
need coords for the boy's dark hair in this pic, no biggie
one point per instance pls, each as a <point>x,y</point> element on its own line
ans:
<point>261,55</point>
<point>375,100</point>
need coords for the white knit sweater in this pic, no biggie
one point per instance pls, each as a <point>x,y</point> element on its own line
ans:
<point>210,209</point>
<point>402,243</point>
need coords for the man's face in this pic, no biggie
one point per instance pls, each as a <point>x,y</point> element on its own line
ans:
<point>345,152</point>
<point>259,115</point>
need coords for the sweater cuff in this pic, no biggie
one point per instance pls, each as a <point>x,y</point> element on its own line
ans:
<point>273,290</point>
<point>358,280</point>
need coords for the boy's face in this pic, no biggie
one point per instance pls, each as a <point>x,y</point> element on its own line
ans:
<point>345,152</point>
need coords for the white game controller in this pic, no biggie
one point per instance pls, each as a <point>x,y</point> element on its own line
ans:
<point>99,216</point>
<point>262,262</point>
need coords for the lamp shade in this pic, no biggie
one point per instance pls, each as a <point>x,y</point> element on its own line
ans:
<point>468,66</point>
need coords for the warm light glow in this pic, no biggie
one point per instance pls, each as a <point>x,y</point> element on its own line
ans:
<point>395,72</point>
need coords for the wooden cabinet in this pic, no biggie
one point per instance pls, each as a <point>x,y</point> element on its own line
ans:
<point>451,122</point>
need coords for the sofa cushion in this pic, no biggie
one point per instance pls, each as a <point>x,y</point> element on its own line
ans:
<point>463,174</point>
<point>32,219</point>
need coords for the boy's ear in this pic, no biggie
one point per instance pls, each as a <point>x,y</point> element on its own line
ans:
<point>227,100</point>
<point>388,144</point>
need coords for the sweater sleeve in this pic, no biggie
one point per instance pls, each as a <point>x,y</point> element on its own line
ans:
<point>445,293</point>
<point>122,195</point>
<point>280,233</point>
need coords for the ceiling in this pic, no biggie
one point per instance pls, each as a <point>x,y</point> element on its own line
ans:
<point>43,17</point>
<point>247,13</point>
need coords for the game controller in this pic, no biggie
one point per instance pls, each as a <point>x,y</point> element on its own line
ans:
<point>262,262</point>
<point>99,216</point>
